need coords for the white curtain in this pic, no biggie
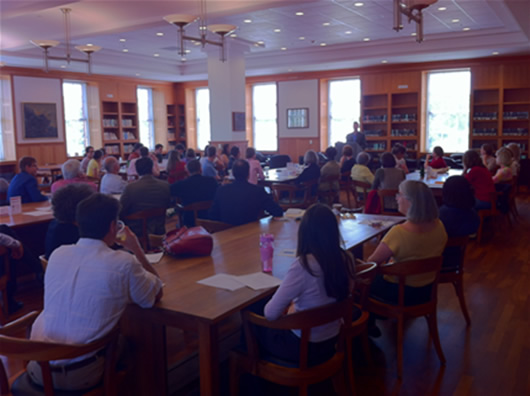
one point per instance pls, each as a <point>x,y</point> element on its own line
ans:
<point>94,116</point>
<point>160,118</point>
<point>7,126</point>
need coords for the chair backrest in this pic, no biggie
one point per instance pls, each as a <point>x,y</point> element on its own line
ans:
<point>387,194</point>
<point>364,275</point>
<point>279,161</point>
<point>304,321</point>
<point>144,216</point>
<point>455,252</point>
<point>4,278</point>
<point>213,226</point>
<point>195,208</point>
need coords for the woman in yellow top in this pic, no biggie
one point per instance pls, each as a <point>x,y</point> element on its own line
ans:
<point>94,165</point>
<point>421,236</point>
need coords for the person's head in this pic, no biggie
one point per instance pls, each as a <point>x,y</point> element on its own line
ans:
<point>71,169</point>
<point>173,158</point>
<point>399,150</point>
<point>98,154</point>
<point>319,236</point>
<point>144,166</point>
<point>347,151</point>
<point>250,153</point>
<point>190,154</point>
<point>503,157</point>
<point>458,193</point>
<point>437,152</point>
<point>180,148</point>
<point>194,167</point>
<point>234,151</point>
<point>89,151</point>
<point>111,165</point>
<point>388,160</point>
<point>144,152</point>
<point>159,148</point>
<point>206,150</point>
<point>516,151</point>
<point>363,158</point>
<point>355,126</point>
<point>28,165</point>
<point>226,149</point>
<point>415,200</point>
<point>241,170</point>
<point>137,147</point>
<point>331,153</point>
<point>487,149</point>
<point>65,200</point>
<point>103,151</point>
<point>310,157</point>
<point>211,152</point>
<point>472,159</point>
<point>96,216</point>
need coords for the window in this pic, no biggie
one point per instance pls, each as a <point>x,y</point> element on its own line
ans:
<point>344,108</point>
<point>448,95</point>
<point>145,117</point>
<point>75,118</point>
<point>265,117</point>
<point>7,127</point>
<point>202,101</point>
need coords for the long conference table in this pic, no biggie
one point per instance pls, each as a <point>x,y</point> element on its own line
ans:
<point>32,213</point>
<point>435,183</point>
<point>194,307</point>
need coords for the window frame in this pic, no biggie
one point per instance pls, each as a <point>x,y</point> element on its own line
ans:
<point>329,117</point>
<point>84,120</point>
<point>275,83</point>
<point>150,118</point>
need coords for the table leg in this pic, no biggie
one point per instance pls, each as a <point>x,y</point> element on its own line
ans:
<point>209,359</point>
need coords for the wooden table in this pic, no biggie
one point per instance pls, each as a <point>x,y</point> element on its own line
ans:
<point>280,175</point>
<point>194,307</point>
<point>436,183</point>
<point>24,219</point>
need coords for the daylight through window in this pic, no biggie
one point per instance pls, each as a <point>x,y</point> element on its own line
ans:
<point>75,118</point>
<point>265,114</point>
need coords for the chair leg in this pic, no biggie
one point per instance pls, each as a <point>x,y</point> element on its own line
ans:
<point>459,289</point>
<point>400,346</point>
<point>349,365</point>
<point>366,347</point>
<point>235,374</point>
<point>433,329</point>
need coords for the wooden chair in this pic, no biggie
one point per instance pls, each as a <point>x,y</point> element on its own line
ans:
<point>213,226</point>
<point>455,273</point>
<point>387,194</point>
<point>302,375</point>
<point>4,278</point>
<point>43,352</point>
<point>329,196</point>
<point>346,185</point>
<point>401,311</point>
<point>493,212</point>
<point>285,194</point>
<point>95,180</point>
<point>43,262</point>
<point>144,216</point>
<point>365,188</point>
<point>194,207</point>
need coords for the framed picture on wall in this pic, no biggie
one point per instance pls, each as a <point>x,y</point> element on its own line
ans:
<point>298,118</point>
<point>39,120</point>
<point>238,121</point>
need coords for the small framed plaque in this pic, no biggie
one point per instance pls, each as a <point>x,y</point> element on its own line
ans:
<point>298,118</point>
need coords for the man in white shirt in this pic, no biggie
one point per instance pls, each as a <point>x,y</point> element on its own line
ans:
<point>112,182</point>
<point>87,288</point>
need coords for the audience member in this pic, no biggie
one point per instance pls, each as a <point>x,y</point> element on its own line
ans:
<point>225,155</point>
<point>241,202</point>
<point>159,152</point>
<point>480,179</point>
<point>175,168</point>
<point>330,169</point>
<point>437,161</point>
<point>71,171</point>
<point>347,161</point>
<point>181,150</point>
<point>256,173</point>
<point>234,155</point>
<point>399,151</point>
<point>145,193</point>
<point>4,186</point>
<point>87,288</point>
<point>195,188</point>
<point>89,153</point>
<point>361,172</point>
<point>190,155</point>
<point>516,158</point>
<point>112,182</point>
<point>63,229</point>
<point>144,153</point>
<point>94,166</point>
<point>208,166</point>
<point>504,159</point>
<point>311,171</point>
<point>356,136</point>
<point>487,153</point>
<point>388,178</point>
<point>135,153</point>
<point>24,184</point>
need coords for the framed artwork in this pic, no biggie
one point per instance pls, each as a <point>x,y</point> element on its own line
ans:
<point>238,121</point>
<point>298,118</point>
<point>39,120</point>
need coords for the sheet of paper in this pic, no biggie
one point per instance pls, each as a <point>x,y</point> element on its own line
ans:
<point>294,212</point>
<point>287,252</point>
<point>222,281</point>
<point>258,280</point>
<point>154,258</point>
<point>35,213</point>
<point>44,209</point>
<point>377,223</point>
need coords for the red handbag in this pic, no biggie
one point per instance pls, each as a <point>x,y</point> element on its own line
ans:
<point>195,241</point>
<point>372,204</point>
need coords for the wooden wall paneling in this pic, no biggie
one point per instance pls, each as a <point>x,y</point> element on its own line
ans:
<point>295,147</point>
<point>323,116</point>
<point>108,90</point>
<point>405,81</point>
<point>375,83</point>
<point>45,153</point>
<point>486,76</point>
<point>127,92</point>
<point>516,75</point>
<point>249,116</point>
<point>191,124</point>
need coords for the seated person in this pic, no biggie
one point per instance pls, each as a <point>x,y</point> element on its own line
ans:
<point>234,155</point>
<point>94,166</point>
<point>225,155</point>
<point>399,151</point>
<point>421,236</point>
<point>347,161</point>
<point>388,178</point>
<point>322,273</point>
<point>504,161</point>
<point>87,288</point>
<point>516,158</point>
<point>145,193</point>
<point>63,229</point>
<point>89,153</point>
<point>112,182</point>
<point>135,153</point>
<point>72,173</point>
<point>195,188</point>
<point>241,202</point>
<point>144,153</point>
<point>208,163</point>
<point>361,172</point>
<point>437,161</point>
<point>190,155</point>
<point>176,169</point>
<point>487,153</point>
<point>480,179</point>
<point>331,168</point>
<point>159,152</point>
<point>256,173</point>
<point>24,184</point>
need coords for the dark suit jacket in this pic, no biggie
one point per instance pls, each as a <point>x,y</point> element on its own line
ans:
<point>241,202</point>
<point>146,193</point>
<point>195,188</point>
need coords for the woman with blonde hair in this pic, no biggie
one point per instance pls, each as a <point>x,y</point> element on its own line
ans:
<point>504,159</point>
<point>516,152</point>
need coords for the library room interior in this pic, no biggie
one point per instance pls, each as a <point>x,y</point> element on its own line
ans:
<point>264,197</point>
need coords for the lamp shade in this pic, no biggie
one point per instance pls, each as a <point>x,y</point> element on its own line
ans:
<point>418,4</point>
<point>180,19</point>
<point>222,29</point>
<point>45,43</point>
<point>88,49</point>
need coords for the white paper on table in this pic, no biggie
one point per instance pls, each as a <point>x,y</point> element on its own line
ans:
<point>222,281</point>
<point>154,258</point>
<point>377,223</point>
<point>45,209</point>
<point>294,212</point>
<point>258,280</point>
<point>35,213</point>
<point>287,252</point>
<point>5,210</point>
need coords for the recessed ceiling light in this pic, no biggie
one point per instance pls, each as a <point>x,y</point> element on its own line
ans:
<point>301,38</point>
<point>261,42</point>
<point>197,43</point>
<point>277,30</point>
<point>90,45</point>
<point>366,39</point>
<point>413,34</point>
<point>183,59</point>
<point>466,29</point>
<point>442,8</point>
<point>125,50</point>
<point>247,20</point>
<point>63,66</point>
<point>160,34</point>
<point>326,24</point>
<point>384,61</point>
<point>187,51</point>
<point>284,48</point>
<point>495,53</point>
<point>323,44</point>
<point>123,40</point>
<point>358,4</point>
<point>299,13</point>
<point>202,27</point>
<point>456,20</point>
<point>233,35</point>
<point>347,32</point>
<point>156,55</point>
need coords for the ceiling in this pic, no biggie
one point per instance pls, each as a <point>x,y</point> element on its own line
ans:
<point>331,34</point>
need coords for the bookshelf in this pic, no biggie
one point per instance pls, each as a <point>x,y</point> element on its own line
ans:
<point>120,127</point>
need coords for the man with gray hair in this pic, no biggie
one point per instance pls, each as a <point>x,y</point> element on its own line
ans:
<point>72,173</point>
<point>112,182</point>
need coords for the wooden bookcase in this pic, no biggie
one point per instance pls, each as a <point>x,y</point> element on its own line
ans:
<point>516,117</point>
<point>171,126</point>
<point>120,127</point>
<point>375,122</point>
<point>181,130</point>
